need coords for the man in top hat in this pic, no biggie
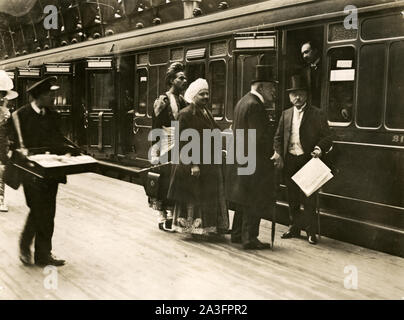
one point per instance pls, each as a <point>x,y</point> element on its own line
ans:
<point>6,94</point>
<point>253,194</point>
<point>37,126</point>
<point>302,133</point>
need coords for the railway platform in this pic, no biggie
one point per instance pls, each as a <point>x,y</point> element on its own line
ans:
<point>114,250</point>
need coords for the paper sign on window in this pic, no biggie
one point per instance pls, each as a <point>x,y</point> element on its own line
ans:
<point>342,75</point>
<point>344,63</point>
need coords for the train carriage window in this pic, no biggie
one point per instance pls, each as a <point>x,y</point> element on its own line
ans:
<point>395,89</point>
<point>62,97</point>
<point>217,74</point>
<point>338,32</point>
<point>101,90</point>
<point>245,73</point>
<point>370,85</point>
<point>342,74</point>
<point>153,87</point>
<point>383,27</point>
<point>195,71</point>
<point>162,79</point>
<point>142,85</point>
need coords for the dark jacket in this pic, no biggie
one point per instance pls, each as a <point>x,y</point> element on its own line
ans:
<point>312,77</point>
<point>39,133</point>
<point>256,190</point>
<point>190,189</point>
<point>314,131</point>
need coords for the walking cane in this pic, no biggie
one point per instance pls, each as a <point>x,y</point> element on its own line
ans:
<point>318,213</point>
<point>276,189</point>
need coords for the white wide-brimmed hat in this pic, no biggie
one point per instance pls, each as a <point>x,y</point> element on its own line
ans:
<point>6,84</point>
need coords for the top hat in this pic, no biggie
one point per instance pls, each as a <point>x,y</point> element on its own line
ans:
<point>297,82</point>
<point>44,85</point>
<point>263,73</point>
<point>6,84</point>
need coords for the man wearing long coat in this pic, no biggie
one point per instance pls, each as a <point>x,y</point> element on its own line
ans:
<point>253,194</point>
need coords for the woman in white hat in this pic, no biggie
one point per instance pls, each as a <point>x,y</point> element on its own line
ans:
<point>197,188</point>
<point>6,84</point>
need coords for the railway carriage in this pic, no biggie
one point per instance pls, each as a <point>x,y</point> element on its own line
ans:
<point>109,85</point>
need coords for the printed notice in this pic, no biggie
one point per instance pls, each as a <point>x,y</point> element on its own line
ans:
<point>344,64</point>
<point>342,75</point>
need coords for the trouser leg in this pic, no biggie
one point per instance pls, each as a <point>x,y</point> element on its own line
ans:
<point>29,230</point>
<point>250,225</point>
<point>237,225</point>
<point>310,214</point>
<point>294,205</point>
<point>45,221</point>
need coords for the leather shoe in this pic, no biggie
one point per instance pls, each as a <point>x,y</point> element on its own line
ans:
<point>26,257</point>
<point>256,245</point>
<point>312,239</point>
<point>49,261</point>
<point>291,234</point>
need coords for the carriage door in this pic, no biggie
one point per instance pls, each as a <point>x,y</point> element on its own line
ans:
<point>26,78</point>
<point>251,49</point>
<point>63,97</point>
<point>100,107</point>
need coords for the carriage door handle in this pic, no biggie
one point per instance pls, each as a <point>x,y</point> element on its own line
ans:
<point>100,116</point>
<point>85,116</point>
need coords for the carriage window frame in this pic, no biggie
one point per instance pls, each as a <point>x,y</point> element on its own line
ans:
<point>383,94</point>
<point>362,28</point>
<point>137,90</point>
<point>63,106</point>
<point>222,116</point>
<point>159,91</point>
<point>100,71</point>
<point>226,42</point>
<point>192,63</point>
<point>177,60</point>
<point>337,42</point>
<point>387,85</point>
<point>352,119</point>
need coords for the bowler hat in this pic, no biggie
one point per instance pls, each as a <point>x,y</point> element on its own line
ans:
<point>263,73</point>
<point>44,85</point>
<point>297,82</point>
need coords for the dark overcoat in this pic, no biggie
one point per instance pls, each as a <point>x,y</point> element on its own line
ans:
<point>184,187</point>
<point>313,131</point>
<point>258,189</point>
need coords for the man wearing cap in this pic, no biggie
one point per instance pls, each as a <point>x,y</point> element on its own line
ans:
<point>37,126</point>
<point>253,194</point>
<point>6,94</point>
<point>302,133</point>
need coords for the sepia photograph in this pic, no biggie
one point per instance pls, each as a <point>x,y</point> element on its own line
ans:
<point>201,154</point>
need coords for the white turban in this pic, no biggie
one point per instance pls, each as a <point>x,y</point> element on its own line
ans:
<point>194,88</point>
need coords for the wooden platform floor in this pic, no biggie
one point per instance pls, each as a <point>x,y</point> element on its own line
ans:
<point>109,237</point>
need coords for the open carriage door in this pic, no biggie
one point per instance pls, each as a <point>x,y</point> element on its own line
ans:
<point>63,97</point>
<point>251,49</point>
<point>100,107</point>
